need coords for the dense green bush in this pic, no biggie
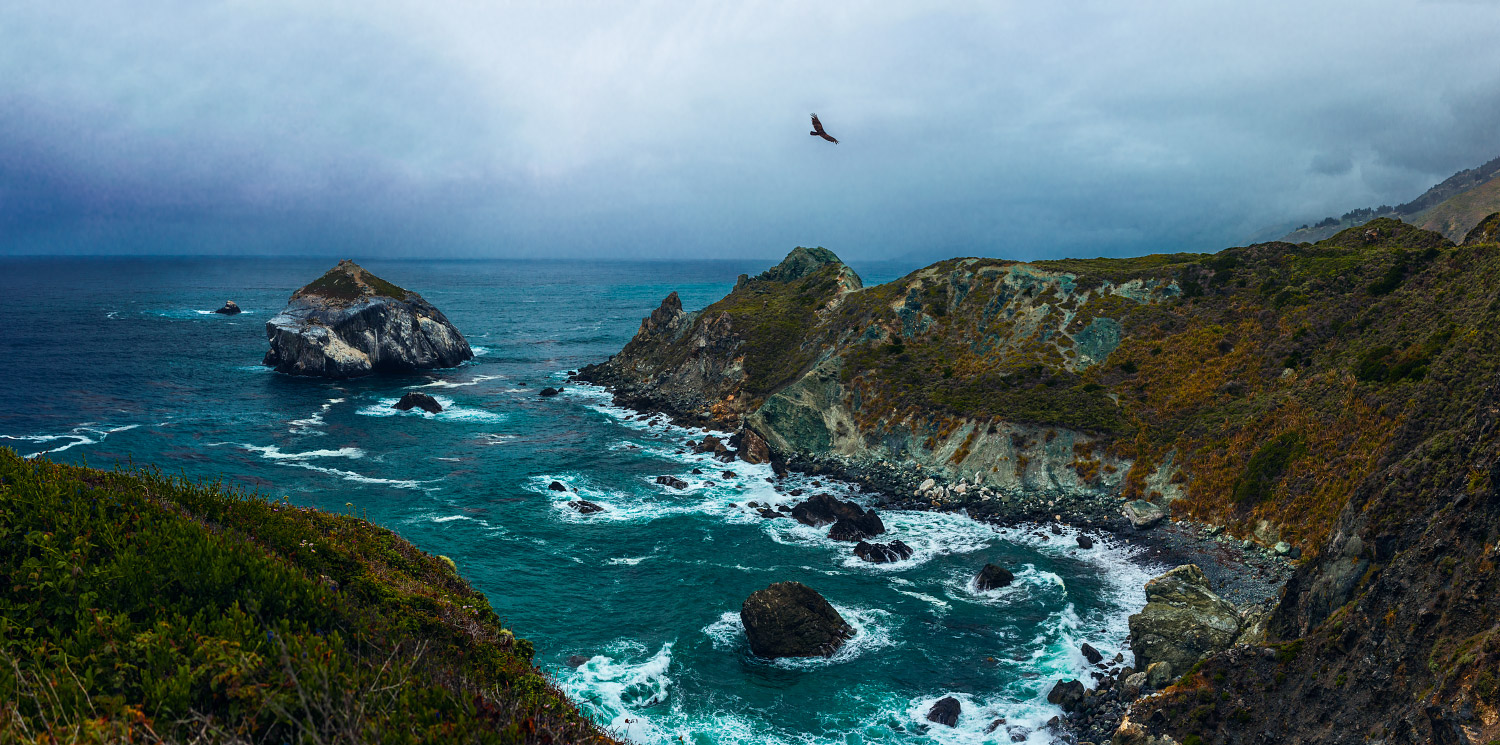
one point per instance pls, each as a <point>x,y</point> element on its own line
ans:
<point>142,608</point>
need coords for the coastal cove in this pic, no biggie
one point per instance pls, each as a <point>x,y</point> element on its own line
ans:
<point>140,370</point>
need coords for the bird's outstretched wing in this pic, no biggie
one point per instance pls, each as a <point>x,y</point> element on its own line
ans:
<point>818,130</point>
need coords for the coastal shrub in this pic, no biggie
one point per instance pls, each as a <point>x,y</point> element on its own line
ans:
<point>139,607</point>
<point>1266,467</point>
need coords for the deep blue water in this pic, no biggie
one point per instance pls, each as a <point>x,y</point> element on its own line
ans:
<point>113,360</point>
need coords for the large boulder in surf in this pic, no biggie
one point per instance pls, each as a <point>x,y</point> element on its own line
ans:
<point>1183,620</point>
<point>350,322</point>
<point>993,577</point>
<point>415,400</point>
<point>945,711</point>
<point>790,619</point>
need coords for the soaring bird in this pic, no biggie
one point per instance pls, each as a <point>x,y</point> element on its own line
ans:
<point>818,131</point>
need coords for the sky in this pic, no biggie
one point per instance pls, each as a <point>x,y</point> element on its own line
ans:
<point>679,130</point>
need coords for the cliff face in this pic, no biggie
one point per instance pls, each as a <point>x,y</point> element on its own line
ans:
<point>350,323</point>
<point>1339,396</point>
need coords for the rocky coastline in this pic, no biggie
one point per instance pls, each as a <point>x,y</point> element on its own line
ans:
<point>1311,425</point>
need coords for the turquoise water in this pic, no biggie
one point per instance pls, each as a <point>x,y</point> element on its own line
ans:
<point>110,361</point>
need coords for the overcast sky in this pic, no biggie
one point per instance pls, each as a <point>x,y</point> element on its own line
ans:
<point>680,129</point>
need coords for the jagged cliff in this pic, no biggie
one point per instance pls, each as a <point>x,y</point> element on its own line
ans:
<point>1340,397</point>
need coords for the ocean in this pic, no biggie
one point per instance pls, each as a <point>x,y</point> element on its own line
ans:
<point>111,362</point>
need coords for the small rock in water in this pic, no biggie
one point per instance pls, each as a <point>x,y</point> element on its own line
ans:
<point>697,472</point>
<point>1085,541</point>
<point>1056,529</point>
<point>992,577</point>
<point>557,486</point>
<point>770,514</point>
<point>585,507</point>
<point>882,553</point>
<point>945,711</point>
<point>229,308</point>
<point>1091,654</point>
<point>549,391</point>
<point>421,401</point>
<point>728,475</point>
<point>672,481</point>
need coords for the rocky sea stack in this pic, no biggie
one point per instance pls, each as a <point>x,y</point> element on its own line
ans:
<point>790,619</point>
<point>350,322</point>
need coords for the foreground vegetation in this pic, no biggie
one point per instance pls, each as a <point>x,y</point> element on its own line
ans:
<point>140,608</point>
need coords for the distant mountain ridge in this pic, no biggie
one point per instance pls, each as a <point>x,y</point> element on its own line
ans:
<point>1452,208</point>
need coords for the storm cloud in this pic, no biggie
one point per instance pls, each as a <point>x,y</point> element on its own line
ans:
<point>679,129</point>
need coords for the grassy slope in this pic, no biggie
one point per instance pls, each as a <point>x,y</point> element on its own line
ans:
<point>1460,213</point>
<point>136,607</point>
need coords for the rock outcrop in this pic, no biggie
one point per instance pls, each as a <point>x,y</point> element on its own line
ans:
<point>945,711</point>
<point>790,619</point>
<point>993,577</point>
<point>350,323</point>
<point>229,309</point>
<point>882,553</point>
<point>1182,621</point>
<point>415,400</point>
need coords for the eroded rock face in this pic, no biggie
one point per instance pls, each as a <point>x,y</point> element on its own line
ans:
<point>350,323</point>
<point>1183,620</point>
<point>790,619</point>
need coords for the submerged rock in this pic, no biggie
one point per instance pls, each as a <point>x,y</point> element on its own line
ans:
<point>882,553</point>
<point>578,660</point>
<point>229,308</point>
<point>945,711</point>
<point>790,619</point>
<point>585,507</point>
<point>993,577</point>
<point>414,400</point>
<point>1183,619</point>
<point>350,323</point>
<point>672,481</point>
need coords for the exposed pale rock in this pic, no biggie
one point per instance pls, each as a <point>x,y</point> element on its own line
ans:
<point>1183,620</point>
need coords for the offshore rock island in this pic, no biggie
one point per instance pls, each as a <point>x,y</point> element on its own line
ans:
<point>1333,403</point>
<point>350,323</point>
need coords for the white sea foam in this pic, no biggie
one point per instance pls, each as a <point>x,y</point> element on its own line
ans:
<point>88,433</point>
<point>310,425</point>
<point>479,351</point>
<point>617,689</point>
<point>476,380</point>
<point>300,460</point>
<point>628,561</point>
